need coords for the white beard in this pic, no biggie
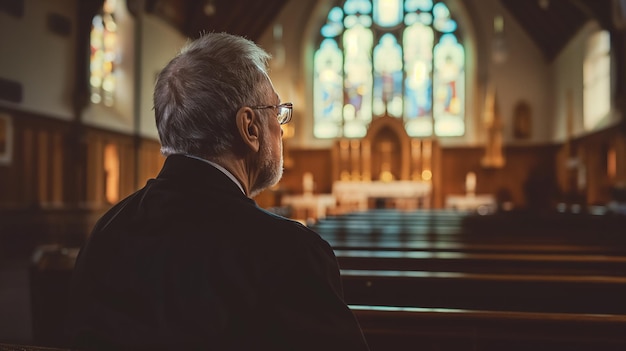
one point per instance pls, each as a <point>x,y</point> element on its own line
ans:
<point>271,171</point>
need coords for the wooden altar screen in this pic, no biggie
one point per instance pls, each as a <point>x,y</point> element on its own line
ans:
<point>386,165</point>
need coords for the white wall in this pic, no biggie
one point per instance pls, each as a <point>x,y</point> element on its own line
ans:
<point>292,78</point>
<point>159,44</point>
<point>523,76</point>
<point>43,62</point>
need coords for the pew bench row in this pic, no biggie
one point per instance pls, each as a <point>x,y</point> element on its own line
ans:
<point>486,291</point>
<point>445,329</point>
<point>483,262</point>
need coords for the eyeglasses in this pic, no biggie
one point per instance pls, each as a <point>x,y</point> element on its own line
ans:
<point>284,111</point>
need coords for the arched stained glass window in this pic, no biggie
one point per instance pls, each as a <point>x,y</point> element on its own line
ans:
<point>104,55</point>
<point>597,79</point>
<point>400,58</point>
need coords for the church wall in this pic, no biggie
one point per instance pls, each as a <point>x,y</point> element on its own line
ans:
<point>55,186</point>
<point>583,165</point>
<point>49,94</point>
<point>39,59</point>
<point>34,174</point>
<point>521,75</point>
<point>571,60</point>
<point>290,67</point>
<point>525,166</point>
<point>596,167</point>
<point>317,162</point>
<point>159,44</point>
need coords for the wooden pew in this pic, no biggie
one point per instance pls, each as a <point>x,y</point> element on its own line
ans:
<point>361,233</point>
<point>503,292</point>
<point>483,262</point>
<point>518,225</point>
<point>438,246</point>
<point>408,232</point>
<point>444,329</point>
<point>26,347</point>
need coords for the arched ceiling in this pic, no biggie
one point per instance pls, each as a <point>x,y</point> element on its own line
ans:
<point>247,18</point>
<point>550,23</point>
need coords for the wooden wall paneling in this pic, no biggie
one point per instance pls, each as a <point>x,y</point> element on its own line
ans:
<point>595,169</point>
<point>620,155</point>
<point>28,185</point>
<point>144,163</point>
<point>57,177</point>
<point>150,161</point>
<point>596,166</point>
<point>10,179</point>
<point>510,179</point>
<point>128,169</point>
<point>6,178</point>
<point>42,171</point>
<point>527,165</point>
<point>436,161</point>
<point>316,161</point>
<point>95,171</point>
<point>455,163</point>
<point>562,172</point>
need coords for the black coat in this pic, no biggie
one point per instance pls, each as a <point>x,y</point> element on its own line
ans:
<point>189,262</point>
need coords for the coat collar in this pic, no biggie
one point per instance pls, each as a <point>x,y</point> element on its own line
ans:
<point>192,172</point>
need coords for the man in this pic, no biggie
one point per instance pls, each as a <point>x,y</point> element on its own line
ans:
<point>190,261</point>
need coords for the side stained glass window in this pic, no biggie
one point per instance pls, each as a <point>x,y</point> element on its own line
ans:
<point>104,55</point>
<point>597,80</point>
<point>398,58</point>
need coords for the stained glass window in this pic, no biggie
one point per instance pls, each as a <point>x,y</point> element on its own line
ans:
<point>597,80</point>
<point>104,55</point>
<point>398,58</point>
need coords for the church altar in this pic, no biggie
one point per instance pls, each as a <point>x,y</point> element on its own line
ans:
<point>485,203</point>
<point>310,206</point>
<point>404,193</point>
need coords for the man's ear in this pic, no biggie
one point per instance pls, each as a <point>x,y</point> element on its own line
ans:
<point>248,127</point>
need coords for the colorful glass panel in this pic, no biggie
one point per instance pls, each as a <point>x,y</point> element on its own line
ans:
<point>357,111</point>
<point>328,90</point>
<point>418,57</point>
<point>104,55</point>
<point>387,13</point>
<point>334,24</point>
<point>449,87</point>
<point>391,66</point>
<point>388,77</point>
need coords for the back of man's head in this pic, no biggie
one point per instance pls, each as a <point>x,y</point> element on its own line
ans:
<point>199,91</point>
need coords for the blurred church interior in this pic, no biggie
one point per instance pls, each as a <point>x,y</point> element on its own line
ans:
<point>428,109</point>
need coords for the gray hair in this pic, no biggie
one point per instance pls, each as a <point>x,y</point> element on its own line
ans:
<point>200,90</point>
